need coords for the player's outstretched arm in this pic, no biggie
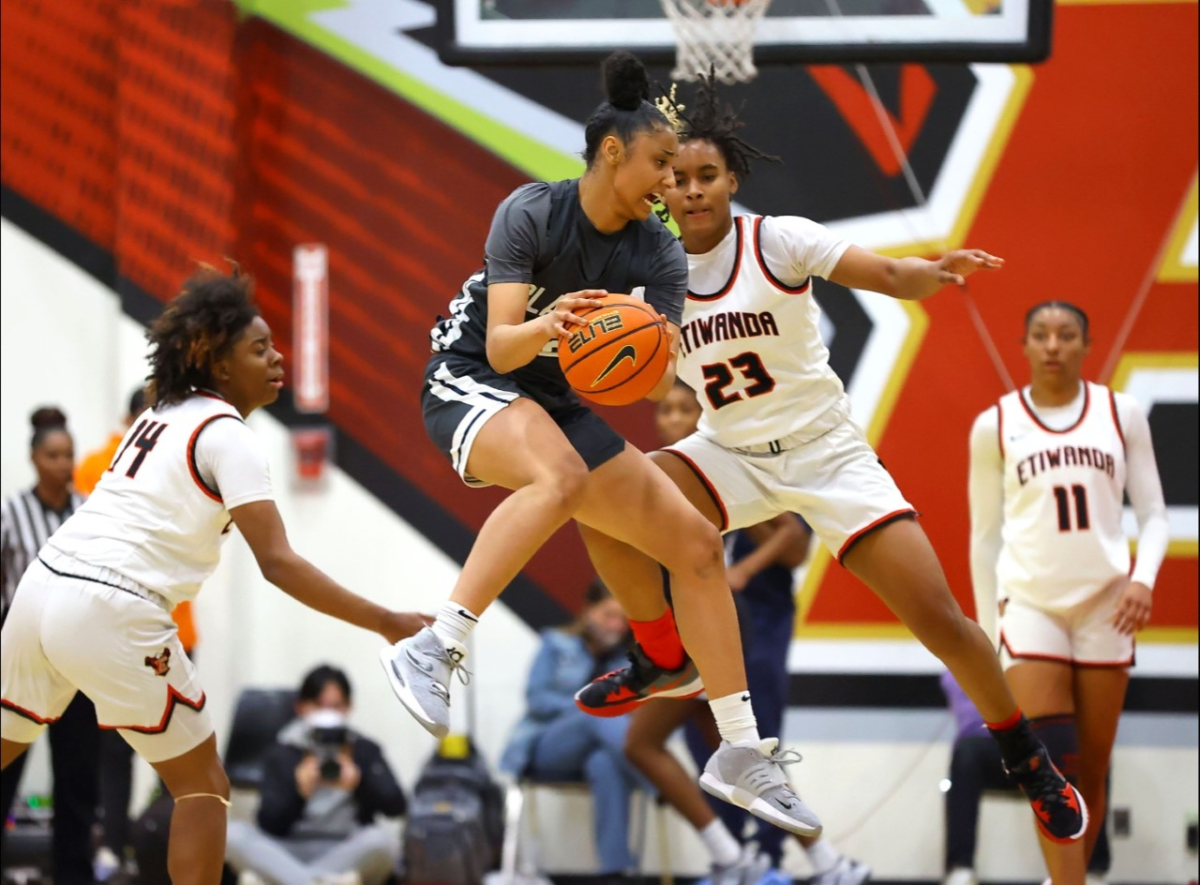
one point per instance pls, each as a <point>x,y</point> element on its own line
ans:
<point>262,527</point>
<point>909,279</point>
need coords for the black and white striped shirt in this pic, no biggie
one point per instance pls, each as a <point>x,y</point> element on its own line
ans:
<point>26,524</point>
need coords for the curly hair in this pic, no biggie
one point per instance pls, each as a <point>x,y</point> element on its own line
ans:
<point>197,328</point>
<point>717,122</point>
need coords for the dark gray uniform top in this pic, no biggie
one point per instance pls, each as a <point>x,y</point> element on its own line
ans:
<point>541,236</point>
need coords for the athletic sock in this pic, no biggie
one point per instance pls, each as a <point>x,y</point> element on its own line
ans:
<point>1015,738</point>
<point>822,856</point>
<point>720,843</point>
<point>1058,735</point>
<point>735,718</point>
<point>660,641</point>
<point>454,623</point>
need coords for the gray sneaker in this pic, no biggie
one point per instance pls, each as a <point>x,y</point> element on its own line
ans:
<point>746,870</point>
<point>419,669</point>
<point>751,776</point>
<point>847,872</point>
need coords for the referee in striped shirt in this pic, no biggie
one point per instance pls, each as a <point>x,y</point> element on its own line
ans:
<point>27,520</point>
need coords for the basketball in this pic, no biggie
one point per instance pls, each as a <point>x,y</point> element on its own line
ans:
<point>618,357</point>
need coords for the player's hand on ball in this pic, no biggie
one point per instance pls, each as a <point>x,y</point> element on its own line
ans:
<point>954,267</point>
<point>562,319</point>
<point>1133,607</point>
<point>401,625</point>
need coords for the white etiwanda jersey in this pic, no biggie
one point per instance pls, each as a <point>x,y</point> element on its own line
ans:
<point>750,345</point>
<point>157,516</point>
<point>1063,501</point>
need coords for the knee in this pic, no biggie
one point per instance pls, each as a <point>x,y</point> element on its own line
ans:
<point>700,551</point>
<point>563,485</point>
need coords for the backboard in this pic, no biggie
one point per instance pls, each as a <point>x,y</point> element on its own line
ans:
<point>480,32</point>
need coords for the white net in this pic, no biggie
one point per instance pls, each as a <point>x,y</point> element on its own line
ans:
<point>716,35</point>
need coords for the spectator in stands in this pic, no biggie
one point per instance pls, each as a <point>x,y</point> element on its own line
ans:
<point>975,766</point>
<point>116,756</point>
<point>556,741</point>
<point>324,785</point>
<point>27,520</point>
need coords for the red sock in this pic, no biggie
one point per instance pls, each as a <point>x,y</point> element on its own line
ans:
<point>660,640</point>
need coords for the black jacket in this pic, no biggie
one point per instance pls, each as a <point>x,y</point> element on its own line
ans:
<point>282,806</point>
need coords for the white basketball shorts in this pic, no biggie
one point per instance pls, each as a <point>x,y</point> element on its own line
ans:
<point>1081,635</point>
<point>83,633</point>
<point>836,482</point>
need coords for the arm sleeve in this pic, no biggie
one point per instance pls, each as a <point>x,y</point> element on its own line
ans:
<point>280,803</point>
<point>796,248</point>
<point>544,699</point>
<point>986,492</point>
<point>231,460</point>
<point>1145,490</point>
<point>666,289</point>
<point>378,791</point>
<point>512,243</point>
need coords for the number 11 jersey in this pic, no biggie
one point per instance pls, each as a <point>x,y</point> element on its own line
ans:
<point>161,512</point>
<point>1063,501</point>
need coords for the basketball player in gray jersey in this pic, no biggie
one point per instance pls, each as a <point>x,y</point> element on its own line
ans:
<point>546,221</point>
<point>496,402</point>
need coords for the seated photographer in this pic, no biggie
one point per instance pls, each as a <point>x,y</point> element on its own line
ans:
<point>323,785</point>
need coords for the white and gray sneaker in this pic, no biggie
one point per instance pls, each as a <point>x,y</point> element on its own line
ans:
<point>846,872</point>
<point>419,670</point>
<point>746,870</point>
<point>751,776</point>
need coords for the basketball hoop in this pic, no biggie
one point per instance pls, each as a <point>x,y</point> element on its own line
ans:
<point>716,35</point>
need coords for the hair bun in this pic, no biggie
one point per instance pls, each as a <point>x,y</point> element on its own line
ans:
<point>47,417</point>
<point>625,80</point>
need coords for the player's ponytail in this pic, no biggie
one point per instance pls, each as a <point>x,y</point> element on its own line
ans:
<point>628,110</point>
<point>625,81</point>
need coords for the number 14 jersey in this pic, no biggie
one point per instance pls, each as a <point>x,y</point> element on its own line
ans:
<point>161,512</point>
<point>750,343</point>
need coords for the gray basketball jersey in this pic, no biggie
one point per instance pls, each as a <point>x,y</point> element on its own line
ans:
<point>540,236</point>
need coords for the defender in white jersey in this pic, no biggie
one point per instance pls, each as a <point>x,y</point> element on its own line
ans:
<point>1050,563</point>
<point>92,612</point>
<point>775,436</point>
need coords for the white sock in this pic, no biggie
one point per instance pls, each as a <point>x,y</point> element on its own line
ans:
<point>735,718</point>
<point>454,623</point>
<point>823,856</point>
<point>720,843</point>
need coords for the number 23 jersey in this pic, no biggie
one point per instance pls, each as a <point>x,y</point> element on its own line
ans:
<point>160,514</point>
<point>1063,501</point>
<point>750,343</point>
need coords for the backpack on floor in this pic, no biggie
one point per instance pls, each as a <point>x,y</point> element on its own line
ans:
<point>455,822</point>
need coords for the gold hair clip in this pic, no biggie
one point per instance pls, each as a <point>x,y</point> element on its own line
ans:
<point>671,109</point>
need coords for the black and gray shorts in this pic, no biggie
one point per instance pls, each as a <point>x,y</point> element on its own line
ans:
<point>462,393</point>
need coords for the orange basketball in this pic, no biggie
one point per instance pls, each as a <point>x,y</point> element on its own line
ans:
<point>618,357</point>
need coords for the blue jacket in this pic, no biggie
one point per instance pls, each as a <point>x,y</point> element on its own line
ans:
<point>562,666</point>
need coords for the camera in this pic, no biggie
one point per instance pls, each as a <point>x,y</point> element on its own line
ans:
<point>327,744</point>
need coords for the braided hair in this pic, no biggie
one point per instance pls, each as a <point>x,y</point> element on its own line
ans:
<point>197,328</point>
<point>709,119</point>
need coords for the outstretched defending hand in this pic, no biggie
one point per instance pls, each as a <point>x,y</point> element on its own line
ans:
<point>401,625</point>
<point>954,267</point>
